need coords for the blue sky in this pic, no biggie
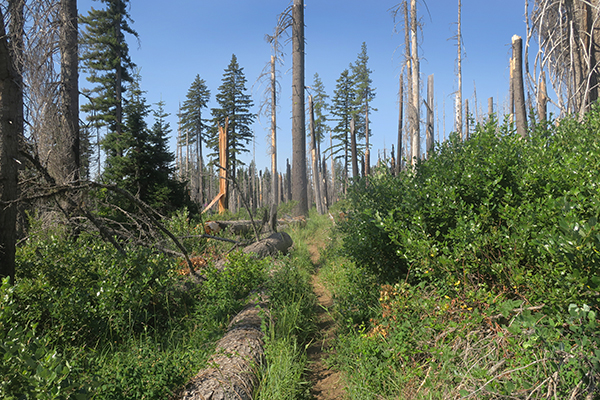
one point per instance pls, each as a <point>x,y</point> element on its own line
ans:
<point>182,38</point>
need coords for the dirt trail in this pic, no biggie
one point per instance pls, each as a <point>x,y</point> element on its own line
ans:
<point>326,382</point>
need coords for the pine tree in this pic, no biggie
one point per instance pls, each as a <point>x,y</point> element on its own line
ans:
<point>195,127</point>
<point>105,58</point>
<point>343,109</point>
<point>234,104</point>
<point>145,167</point>
<point>320,107</point>
<point>365,93</point>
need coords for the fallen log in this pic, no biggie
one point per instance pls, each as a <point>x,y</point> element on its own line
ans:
<point>231,371</point>
<point>276,242</point>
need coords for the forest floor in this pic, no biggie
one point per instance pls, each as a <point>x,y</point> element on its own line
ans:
<point>326,382</point>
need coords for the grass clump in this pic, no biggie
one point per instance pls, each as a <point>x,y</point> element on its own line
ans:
<point>290,327</point>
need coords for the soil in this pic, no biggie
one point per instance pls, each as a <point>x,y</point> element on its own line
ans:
<point>326,382</point>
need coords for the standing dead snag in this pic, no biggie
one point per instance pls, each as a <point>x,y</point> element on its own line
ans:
<point>315,157</point>
<point>430,117</point>
<point>415,106</point>
<point>299,181</point>
<point>459,107</point>
<point>11,124</point>
<point>518,86</point>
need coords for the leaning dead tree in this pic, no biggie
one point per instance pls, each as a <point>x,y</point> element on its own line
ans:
<point>568,35</point>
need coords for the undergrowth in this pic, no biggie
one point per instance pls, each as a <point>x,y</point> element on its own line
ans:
<point>475,275</point>
<point>82,321</point>
<point>290,327</point>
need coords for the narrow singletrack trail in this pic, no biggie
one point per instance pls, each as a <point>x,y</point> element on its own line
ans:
<point>326,382</point>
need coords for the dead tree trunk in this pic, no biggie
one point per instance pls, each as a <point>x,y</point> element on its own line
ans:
<point>518,87</point>
<point>409,82</point>
<point>299,186</point>
<point>459,109</point>
<point>315,158</point>
<point>353,149</point>
<point>430,116</point>
<point>415,120</point>
<point>490,107</point>
<point>11,125</point>
<point>69,88</point>
<point>367,170</point>
<point>542,98</point>
<point>467,127</point>
<point>400,122</point>
<point>274,133</point>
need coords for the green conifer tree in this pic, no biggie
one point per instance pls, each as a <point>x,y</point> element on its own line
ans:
<point>365,93</point>
<point>234,104</point>
<point>145,167</point>
<point>105,58</point>
<point>343,108</point>
<point>195,128</point>
<point>320,107</point>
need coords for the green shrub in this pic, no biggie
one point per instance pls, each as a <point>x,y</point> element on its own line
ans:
<point>494,210</point>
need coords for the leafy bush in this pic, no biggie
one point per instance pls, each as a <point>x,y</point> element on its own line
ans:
<point>85,292</point>
<point>31,368</point>
<point>494,210</point>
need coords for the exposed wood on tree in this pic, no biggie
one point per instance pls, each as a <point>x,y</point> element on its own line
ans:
<point>490,107</point>
<point>224,162</point>
<point>518,86</point>
<point>542,98</point>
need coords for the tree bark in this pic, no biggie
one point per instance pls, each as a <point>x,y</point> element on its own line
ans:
<point>415,106</point>
<point>315,158</point>
<point>459,109</point>
<point>353,149</point>
<point>299,181</point>
<point>400,124</point>
<point>275,181</point>
<point>367,170</point>
<point>70,89</point>
<point>490,107</point>
<point>11,128</point>
<point>467,127</point>
<point>430,116</point>
<point>409,82</point>
<point>518,87</point>
<point>542,98</point>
